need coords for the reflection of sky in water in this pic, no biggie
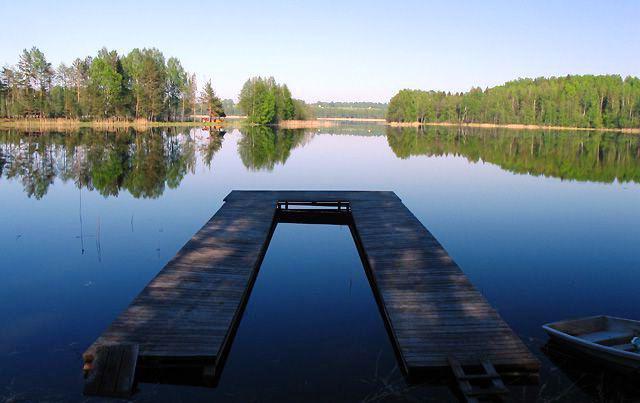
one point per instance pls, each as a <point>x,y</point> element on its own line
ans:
<point>539,248</point>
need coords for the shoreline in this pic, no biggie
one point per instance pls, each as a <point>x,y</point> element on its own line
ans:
<point>232,121</point>
<point>372,120</point>
<point>305,124</point>
<point>516,126</point>
<point>71,124</point>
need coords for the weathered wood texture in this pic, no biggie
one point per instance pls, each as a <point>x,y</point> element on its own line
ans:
<point>189,310</point>
<point>113,371</point>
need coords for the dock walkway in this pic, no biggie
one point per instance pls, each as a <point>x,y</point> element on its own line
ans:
<point>188,314</point>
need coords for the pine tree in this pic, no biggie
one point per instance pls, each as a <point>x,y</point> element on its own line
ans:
<point>211,101</point>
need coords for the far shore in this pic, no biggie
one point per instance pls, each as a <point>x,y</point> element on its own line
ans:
<point>70,124</point>
<point>234,120</point>
<point>373,120</point>
<point>328,122</point>
<point>633,130</point>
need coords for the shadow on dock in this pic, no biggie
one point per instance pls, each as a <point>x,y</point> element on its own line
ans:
<point>184,321</point>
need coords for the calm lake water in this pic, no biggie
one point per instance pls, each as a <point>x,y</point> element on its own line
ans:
<point>545,224</point>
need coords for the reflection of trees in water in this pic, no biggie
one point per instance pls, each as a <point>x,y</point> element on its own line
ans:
<point>592,156</point>
<point>262,147</point>
<point>34,163</point>
<point>210,147</point>
<point>142,163</point>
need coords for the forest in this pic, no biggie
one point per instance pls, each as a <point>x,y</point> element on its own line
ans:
<point>142,84</point>
<point>347,110</point>
<point>605,101</point>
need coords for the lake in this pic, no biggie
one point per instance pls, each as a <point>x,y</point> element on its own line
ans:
<point>545,224</point>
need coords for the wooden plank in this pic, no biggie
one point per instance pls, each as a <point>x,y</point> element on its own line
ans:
<point>191,308</point>
<point>112,371</point>
<point>432,308</point>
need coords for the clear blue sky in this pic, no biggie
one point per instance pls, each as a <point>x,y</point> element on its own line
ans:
<point>351,50</point>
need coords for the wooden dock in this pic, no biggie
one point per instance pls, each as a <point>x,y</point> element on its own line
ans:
<point>188,314</point>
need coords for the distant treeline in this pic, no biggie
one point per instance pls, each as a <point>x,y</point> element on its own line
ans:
<point>231,108</point>
<point>359,110</point>
<point>142,84</point>
<point>607,101</point>
<point>368,110</point>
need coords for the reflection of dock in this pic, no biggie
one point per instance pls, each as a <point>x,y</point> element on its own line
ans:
<point>187,315</point>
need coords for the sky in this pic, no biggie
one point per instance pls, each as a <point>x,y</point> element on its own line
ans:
<point>342,50</point>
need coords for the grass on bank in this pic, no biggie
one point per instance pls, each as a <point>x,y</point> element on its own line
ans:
<point>235,121</point>
<point>71,124</point>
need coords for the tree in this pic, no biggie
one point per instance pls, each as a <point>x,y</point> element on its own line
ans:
<point>11,80</point>
<point>153,82</point>
<point>177,87</point>
<point>192,93</point>
<point>257,101</point>
<point>266,102</point>
<point>286,107</point>
<point>301,111</point>
<point>36,75</point>
<point>63,101</point>
<point>140,85</point>
<point>132,64</point>
<point>146,72</point>
<point>80,78</point>
<point>211,101</point>
<point>4,97</point>
<point>107,88</point>
<point>582,101</point>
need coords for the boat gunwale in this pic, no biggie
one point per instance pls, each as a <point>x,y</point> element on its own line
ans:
<point>547,327</point>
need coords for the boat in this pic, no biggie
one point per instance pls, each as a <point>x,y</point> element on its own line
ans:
<point>601,337</point>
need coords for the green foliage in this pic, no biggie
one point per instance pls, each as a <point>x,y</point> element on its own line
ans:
<point>211,101</point>
<point>230,107</point>
<point>266,102</point>
<point>302,111</point>
<point>4,97</point>
<point>142,163</point>
<point>580,101</point>
<point>24,89</point>
<point>146,74</point>
<point>261,147</point>
<point>107,85</point>
<point>177,87</point>
<point>593,156</point>
<point>286,107</point>
<point>141,84</point>
<point>36,76</point>
<point>146,163</point>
